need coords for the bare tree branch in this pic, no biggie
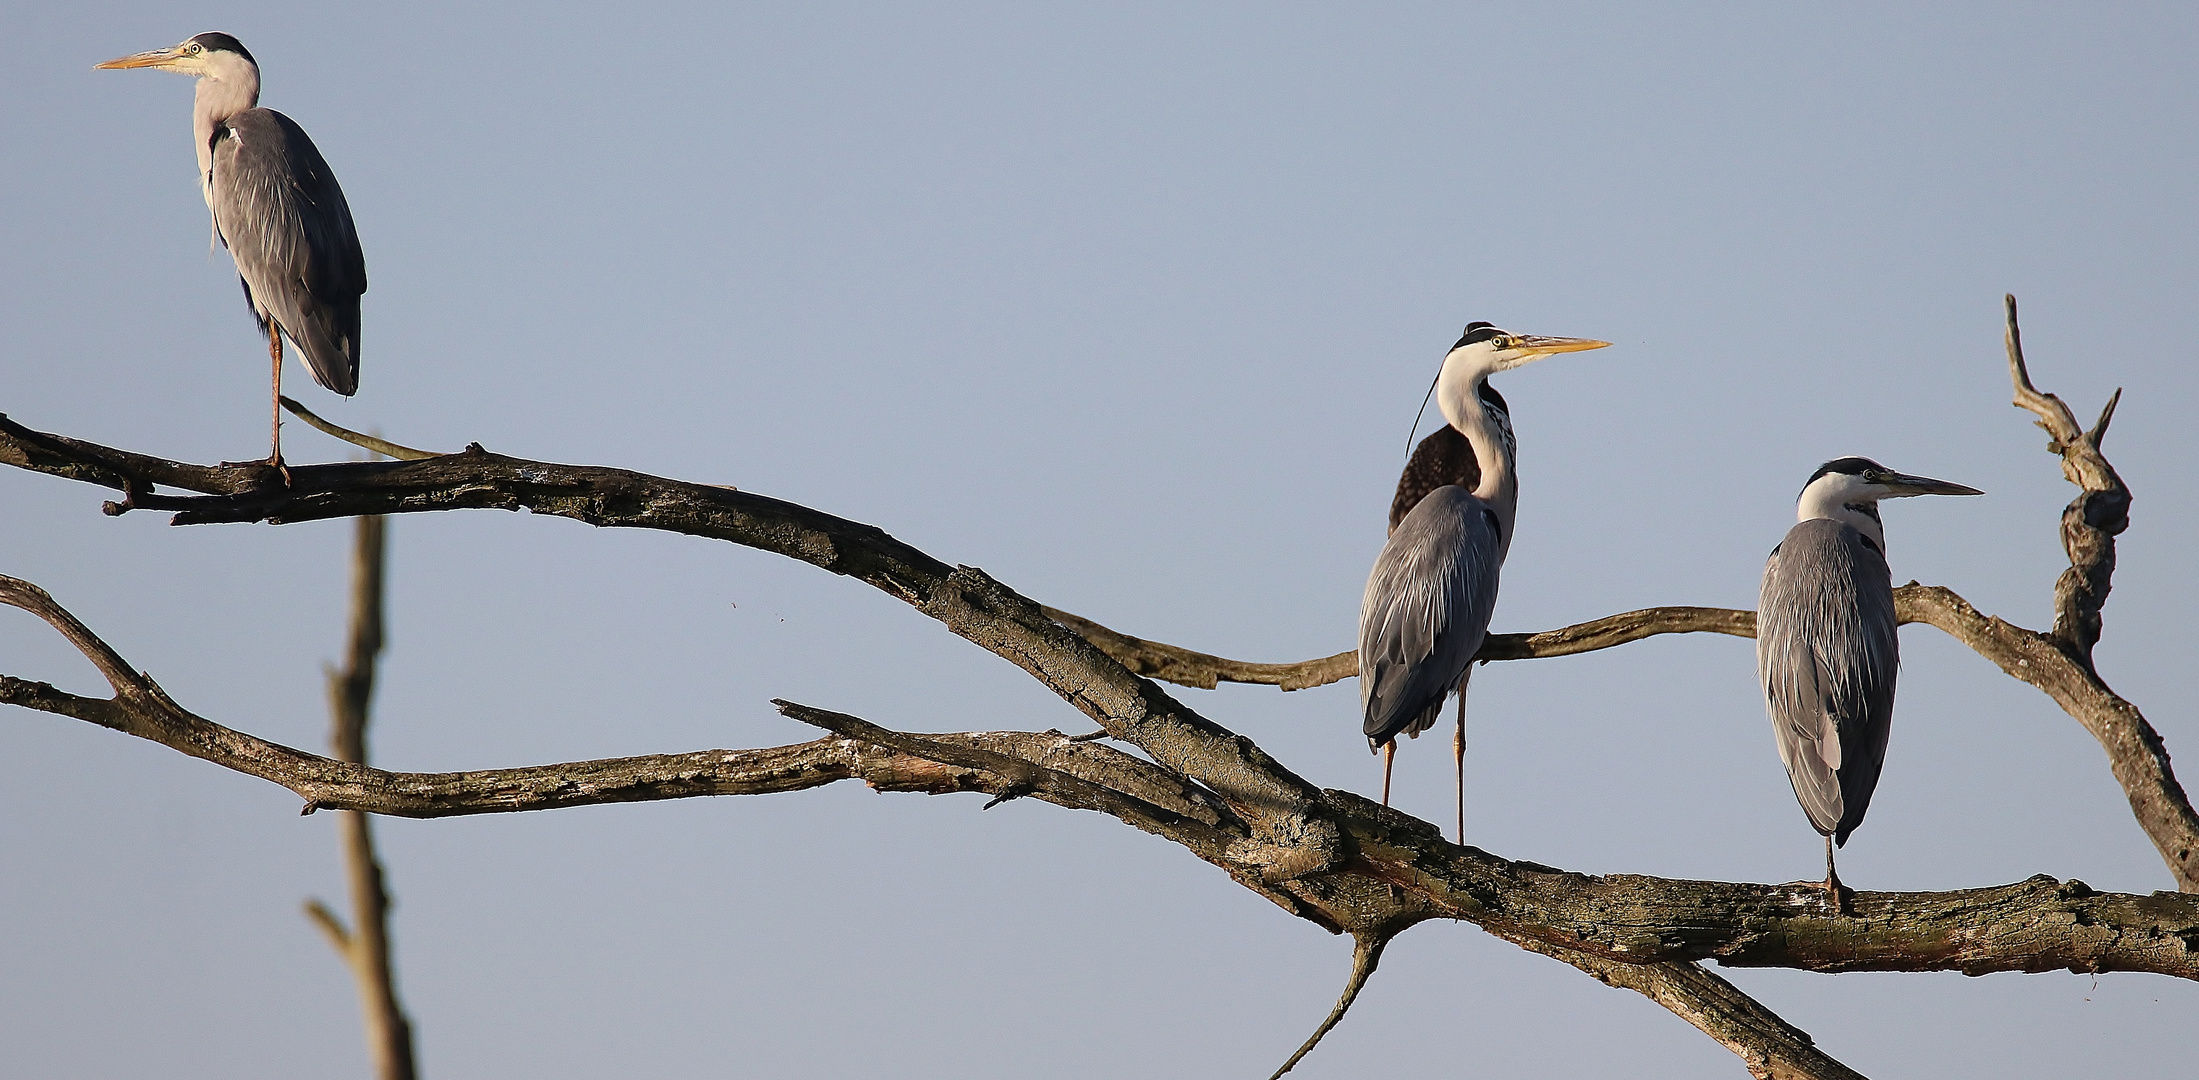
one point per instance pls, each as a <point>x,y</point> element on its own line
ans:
<point>373,443</point>
<point>970,603</point>
<point>1401,870</point>
<point>332,925</point>
<point>1366,952</point>
<point>1329,857</point>
<point>365,947</point>
<point>1186,667</point>
<point>1771,1048</point>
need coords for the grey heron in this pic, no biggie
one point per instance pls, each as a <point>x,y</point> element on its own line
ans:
<point>278,209</point>
<point>1826,651</point>
<point>1433,588</point>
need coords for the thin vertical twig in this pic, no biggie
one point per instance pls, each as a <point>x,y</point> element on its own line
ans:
<point>365,946</point>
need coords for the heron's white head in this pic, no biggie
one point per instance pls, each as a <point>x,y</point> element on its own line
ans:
<point>1482,351</point>
<point>1848,490</point>
<point>228,83</point>
<point>207,56</point>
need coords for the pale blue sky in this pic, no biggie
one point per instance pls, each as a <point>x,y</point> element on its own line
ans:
<point>1131,307</point>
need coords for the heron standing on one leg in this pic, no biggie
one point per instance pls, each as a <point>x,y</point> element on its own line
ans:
<point>1434,586</point>
<point>1826,651</point>
<point>278,209</point>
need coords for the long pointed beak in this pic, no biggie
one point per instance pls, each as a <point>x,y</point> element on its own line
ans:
<point>1904,484</point>
<point>154,58</point>
<point>1538,347</point>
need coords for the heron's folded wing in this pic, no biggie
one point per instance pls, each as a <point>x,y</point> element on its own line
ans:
<point>279,209</point>
<point>1426,610</point>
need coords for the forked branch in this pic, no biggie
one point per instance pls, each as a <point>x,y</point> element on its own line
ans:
<point>1398,871</point>
<point>1329,857</point>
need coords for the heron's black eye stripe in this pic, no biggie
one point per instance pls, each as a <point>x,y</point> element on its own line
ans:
<point>1479,331</point>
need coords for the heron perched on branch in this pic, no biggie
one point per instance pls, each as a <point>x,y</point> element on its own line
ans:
<point>1434,586</point>
<point>278,209</point>
<point>1826,651</point>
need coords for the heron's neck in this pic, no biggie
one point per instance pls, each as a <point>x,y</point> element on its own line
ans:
<point>1835,502</point>
<point>1458,394</point>
<point>221,95</point>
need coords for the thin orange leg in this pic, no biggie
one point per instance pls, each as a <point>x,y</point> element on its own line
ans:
<point>1832,879</point>
<point>275,353</point>
<point>1458,762</point>
<point>1389,757</point>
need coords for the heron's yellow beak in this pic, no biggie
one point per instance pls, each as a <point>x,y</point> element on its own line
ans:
<point>1538,347</point>
<point>155,58</point>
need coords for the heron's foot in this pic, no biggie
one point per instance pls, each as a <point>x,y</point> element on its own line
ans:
<point>264,473</point>
<point>1840,895</point>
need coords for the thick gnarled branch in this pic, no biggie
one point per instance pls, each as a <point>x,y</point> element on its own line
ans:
<point>1400,870</point>
<point>1324,856</point>
<point>968,602</point>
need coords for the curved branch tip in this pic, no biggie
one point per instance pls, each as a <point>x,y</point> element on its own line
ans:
<point>1367,946</point>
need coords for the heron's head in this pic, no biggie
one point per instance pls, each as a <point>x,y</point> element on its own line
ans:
<point>1484,350</point>
<point>214,55</point>
<point>1848,489</point>
<point>1859,479</point>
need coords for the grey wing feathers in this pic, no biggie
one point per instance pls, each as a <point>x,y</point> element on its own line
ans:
<point>1426,610</point>
<point>1827,656</point>
<point>279,209</point>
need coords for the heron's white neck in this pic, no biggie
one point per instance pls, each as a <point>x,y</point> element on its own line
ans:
<point>1458,395</point>
<point>1843,498</point>
<point>227,85</point>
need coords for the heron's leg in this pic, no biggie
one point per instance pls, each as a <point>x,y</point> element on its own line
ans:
<point>1389,757</point>
<point>275,353</point>
<point>1832,879</point>
<point>1458,760</point>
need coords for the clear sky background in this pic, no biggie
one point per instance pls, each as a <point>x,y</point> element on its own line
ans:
<point>1130,306</point>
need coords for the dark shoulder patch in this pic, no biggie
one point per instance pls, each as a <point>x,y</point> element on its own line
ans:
<point>1443,458</point>
<point>1872,544</point>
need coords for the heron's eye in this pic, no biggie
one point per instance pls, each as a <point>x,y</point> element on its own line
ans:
<point>196,48</point>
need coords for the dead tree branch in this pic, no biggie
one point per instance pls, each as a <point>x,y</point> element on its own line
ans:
<point>365,947</point>
<point>971,604</point>
<point>1771,1048</point>
<point>1366,953</point>
<point>1330,857</point>
<point>1400,870</point>
<point>1187,667</point>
